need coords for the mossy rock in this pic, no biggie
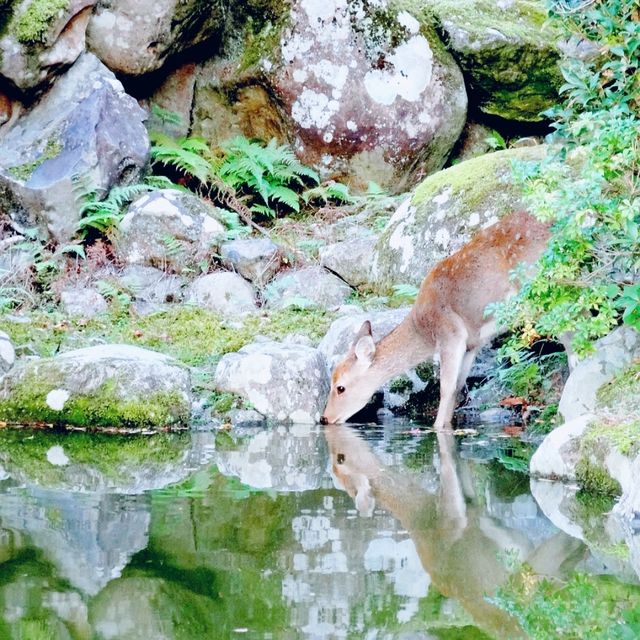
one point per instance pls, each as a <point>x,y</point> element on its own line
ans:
<point>444,211</point>
<point>110,386</point>
<point>507,51</point>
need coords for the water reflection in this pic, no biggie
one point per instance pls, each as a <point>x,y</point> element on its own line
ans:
<point>283,533</point>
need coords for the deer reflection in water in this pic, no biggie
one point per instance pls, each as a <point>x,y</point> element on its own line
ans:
<point>459,545</point>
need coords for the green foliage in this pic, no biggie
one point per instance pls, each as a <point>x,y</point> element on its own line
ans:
<point>32,25</point>
<point>531,376</point>
<point>589,187</point>
<point>404,293</point>
<point>496,141</point>
<point>245,175</point>
<point>105,214</point>
<point>595,607</point>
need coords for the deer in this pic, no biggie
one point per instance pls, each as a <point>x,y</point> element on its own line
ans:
<point>448,319</point>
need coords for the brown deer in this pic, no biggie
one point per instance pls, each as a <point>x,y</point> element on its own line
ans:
<point>448,319</point>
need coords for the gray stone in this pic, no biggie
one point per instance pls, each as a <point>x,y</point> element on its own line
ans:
<point>256,259</point>
<point>85,302</point>
<point>136,37</point>
<point>307,287</point>
<point>147,284</point>
<point>558,454</point>
<point>112,385</point>
<point>443,212</point>
<point>282,382</point>
<point>246,418</point>
<point>85,131</point>
<point>168,229</point>
<point>351,259</point>
<point>223,292</point>
<point>613,353</point>
<point>7,353</point>
<point>495,416</point>
<point>33,50</point>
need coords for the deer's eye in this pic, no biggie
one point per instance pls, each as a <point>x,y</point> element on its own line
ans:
<point>340,389</point>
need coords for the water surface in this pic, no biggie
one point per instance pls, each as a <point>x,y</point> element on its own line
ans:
<point>289,532</point>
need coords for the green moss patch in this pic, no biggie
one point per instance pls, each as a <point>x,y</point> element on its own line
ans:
<point>622,393</point>
<point>32,26</point>
<point>25,171</point>
<point>476,180</point>
<point>592,477</point>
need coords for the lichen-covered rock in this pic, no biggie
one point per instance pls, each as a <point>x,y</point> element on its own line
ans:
<point>307,287</point>
<point>286,382</point>
<point>256,259</point>
<point>7,353</point>
<point>366,90</point>
<point>612,354</point>
<point>222,292</point>
<point>351,259</point>
<point>85,302</point>
<point>136,37</point>
<point>508,54</point>
<point>443,212</point>
<point>41,38</point>
<point>168,229</point>
<point>106,386</point>
<point>86,127</point>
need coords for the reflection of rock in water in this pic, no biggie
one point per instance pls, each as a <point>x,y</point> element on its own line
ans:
<point>95,518</point>
<point>342,560</point>
<point>88,537</point>
<point>284,458</point>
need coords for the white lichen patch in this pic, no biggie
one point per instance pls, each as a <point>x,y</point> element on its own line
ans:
<point>474,219</point>
<point>314,109</point>
<point>408,74</point>
<point>406,20</point>
<point>442,237</point>
<point>57,457</point>
<point>57,398</point>
<point>335,75</point>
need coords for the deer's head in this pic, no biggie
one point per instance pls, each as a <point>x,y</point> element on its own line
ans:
<point>352,382</point>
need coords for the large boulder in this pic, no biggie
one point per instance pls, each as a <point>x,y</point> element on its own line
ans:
<point>40,39</point>
<point>444,211</point>
<point>366,90</point>
<point>351,259</point>
<point>136,37</point>
<point>106,386</point>
<point>168,229</point>
<point>507,53</point>
<point>612,354</point>
<point>85,133</point>
<point>283,381</point>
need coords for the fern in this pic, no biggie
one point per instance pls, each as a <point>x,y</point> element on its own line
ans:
<point>335,191</point>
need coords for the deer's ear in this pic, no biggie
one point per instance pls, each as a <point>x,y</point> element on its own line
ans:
<point>365,330</point>
<point>365,349</point>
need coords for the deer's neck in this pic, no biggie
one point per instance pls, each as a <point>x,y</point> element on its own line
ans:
<point>400,350</point>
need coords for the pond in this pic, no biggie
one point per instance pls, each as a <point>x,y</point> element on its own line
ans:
<point>300,532</point>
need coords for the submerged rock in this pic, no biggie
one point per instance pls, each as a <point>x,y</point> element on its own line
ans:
<point>111,385</point>
<point>443,213</point>
<point>285,382</point>
<point>86,133</point>
<point>41,39</point>
<point>168,229</point>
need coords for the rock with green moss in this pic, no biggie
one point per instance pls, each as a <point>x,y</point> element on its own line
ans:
<point>444,211</point>
<point>137,37</point>
<point>509,55</point>
<point>366,91</point>
<point>41,38</point>
<point>107,386</point>
<point>84,134</point>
